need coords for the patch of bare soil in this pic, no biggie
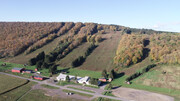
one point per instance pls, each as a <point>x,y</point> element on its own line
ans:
<point>140,95</point>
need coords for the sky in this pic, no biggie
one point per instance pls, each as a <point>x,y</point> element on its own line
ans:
<point>163,15</point>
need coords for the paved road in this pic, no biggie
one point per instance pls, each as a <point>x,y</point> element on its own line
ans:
<point>62,87</point>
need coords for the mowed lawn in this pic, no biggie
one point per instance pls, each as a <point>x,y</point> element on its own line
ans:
<point>102,57</point>
<point>8,82</point>
<point>69,58</point>
<point>81,73</point>
<point>10,66</point>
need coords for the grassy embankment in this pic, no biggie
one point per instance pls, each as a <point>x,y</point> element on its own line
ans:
<point>81,89</point>
<point>103,99</point>
<point>48,86</point>
<point>69,91</point>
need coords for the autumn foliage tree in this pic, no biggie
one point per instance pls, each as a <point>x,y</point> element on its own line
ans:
<point>130,50</point>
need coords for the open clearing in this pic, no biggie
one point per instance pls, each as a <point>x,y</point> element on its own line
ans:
<point>140,95</point>
<point>68,59</point>
<point>8,82</point>
<point>170,79</point>
<point>102,56</point>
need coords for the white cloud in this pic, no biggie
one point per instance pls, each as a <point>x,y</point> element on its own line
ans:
<point>172,26</point>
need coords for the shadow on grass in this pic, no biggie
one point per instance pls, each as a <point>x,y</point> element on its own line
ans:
<point>119,75</point>
<point>116,87</point>
<point>65,70</point>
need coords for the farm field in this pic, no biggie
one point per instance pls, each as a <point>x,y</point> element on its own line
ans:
<point>10,82</point>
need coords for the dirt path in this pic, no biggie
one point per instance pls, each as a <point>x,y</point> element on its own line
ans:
<point>140,95</point>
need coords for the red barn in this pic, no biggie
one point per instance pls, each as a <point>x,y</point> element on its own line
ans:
<point>38,78</point>
<point>17,70</point>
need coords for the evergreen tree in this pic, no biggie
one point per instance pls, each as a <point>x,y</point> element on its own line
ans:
<point>112,74</point>
<point>45,65</point>
<point>67,78</point>
<point>32,61</point>
<point>104,74</point>
<point>110,86</point>
<point>40,56</point>
<point>39,64</point>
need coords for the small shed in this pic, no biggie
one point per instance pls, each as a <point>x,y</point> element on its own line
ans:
<point>103,79</point>
<point>17,70</point>
<point>38,77</point>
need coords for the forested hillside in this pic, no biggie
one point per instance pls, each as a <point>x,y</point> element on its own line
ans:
<point>130,50</point>
<point>163,48</point>
<point>115,46</point>
<point>15,37</point>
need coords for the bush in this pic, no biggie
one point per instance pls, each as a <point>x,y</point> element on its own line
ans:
<point>94,81</point>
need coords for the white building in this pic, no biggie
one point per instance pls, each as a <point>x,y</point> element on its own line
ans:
<point>84,80</point>
<point>62,77</point>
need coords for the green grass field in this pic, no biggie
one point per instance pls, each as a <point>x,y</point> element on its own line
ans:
<point>102,57</point>
<point>9,66</point>
<point>69,58</point>
<point>103,99</point>
<point>81,73</point>
<point>108,93</point>
<point>82,89</point>
<point>171,79</point>
<point>8,82</point>
<point>137,83</point>
<point>48,86</point>
<point>69,91</point>
<point>38,95</point>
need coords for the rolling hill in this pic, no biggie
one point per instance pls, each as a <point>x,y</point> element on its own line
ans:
<point>125,50</point>
<point>117,46</point>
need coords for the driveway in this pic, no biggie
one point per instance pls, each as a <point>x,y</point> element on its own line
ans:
<point>63,87</point>
<point>140,95</point>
